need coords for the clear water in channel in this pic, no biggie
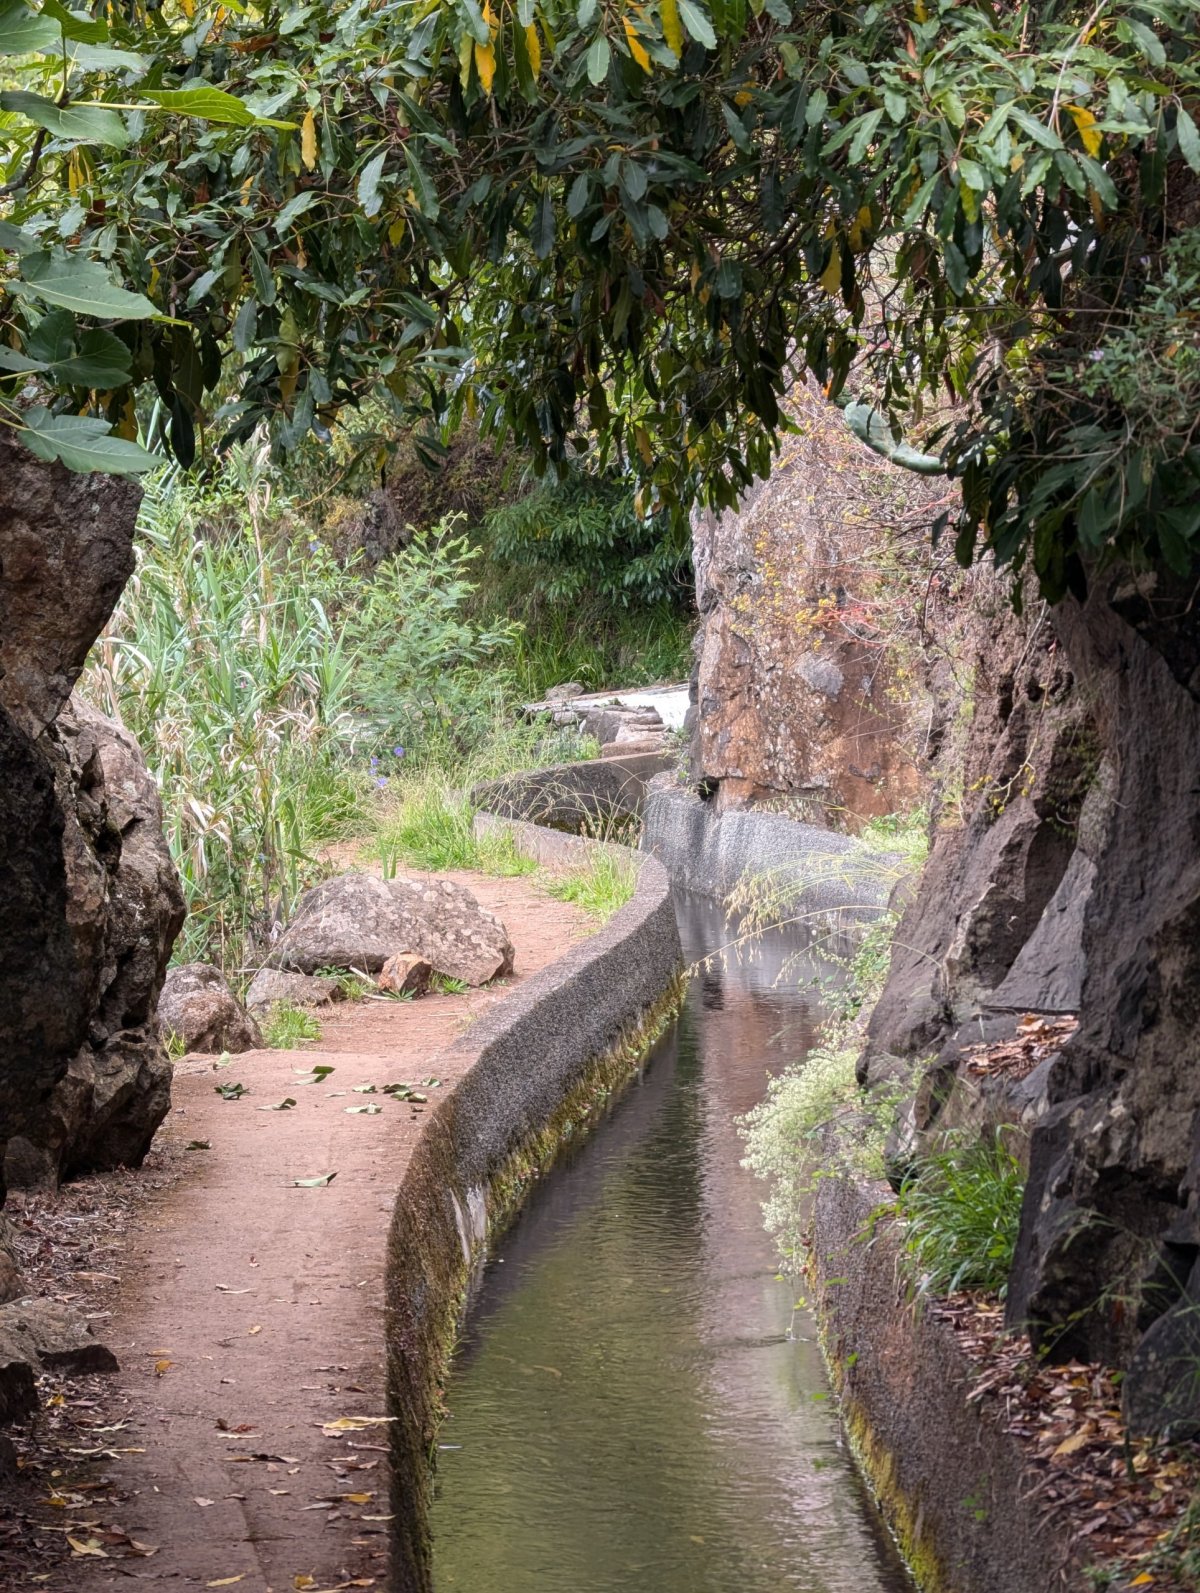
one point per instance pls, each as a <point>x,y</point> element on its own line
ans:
<point>628,1413</point>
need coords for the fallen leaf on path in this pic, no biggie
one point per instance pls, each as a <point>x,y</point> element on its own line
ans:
<point>226,1288</point>
<point>85,1548</point>
<point>161,1368</point>
<point>363,1111</point>
<point>364,1089</point>
<point>280,1106</point>
<point>198,1144</point>
<point>227,1581</point>
<point>279,1492</point>
<point>203,1503</point>
<point>257,1328</point>
<point>313,1075</point>
<point>231,1092</point>
<point>314,1183</point>
<point>303,1582</point>
<point>353,1424</point>
<point>223,1060</point>
<point>283,1460</point>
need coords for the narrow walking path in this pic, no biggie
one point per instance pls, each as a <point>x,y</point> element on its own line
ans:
<point>249,1318</point>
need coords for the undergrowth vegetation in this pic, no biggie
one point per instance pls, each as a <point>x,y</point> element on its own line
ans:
<point>600,886</point>
<point>281,696</point>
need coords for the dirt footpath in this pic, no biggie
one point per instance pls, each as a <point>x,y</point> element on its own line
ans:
<point>248,1319</point>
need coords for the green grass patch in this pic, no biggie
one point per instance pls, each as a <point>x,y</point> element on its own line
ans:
<point>962,1211</point>
<point>288,1026</point>
<point>602,886</point>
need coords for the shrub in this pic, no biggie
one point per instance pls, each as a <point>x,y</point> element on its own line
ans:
<point>962,1209</point>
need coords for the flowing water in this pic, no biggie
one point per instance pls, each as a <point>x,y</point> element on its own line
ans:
<point>628,1413</point>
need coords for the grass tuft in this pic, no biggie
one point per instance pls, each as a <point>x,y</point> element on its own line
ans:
<point>962,1210</point>
<point>601,887</point>
<point>288,1026</point>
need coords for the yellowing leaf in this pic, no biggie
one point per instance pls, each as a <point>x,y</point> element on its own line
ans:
<point>636,48</point>
<point>87,1548</point>
<point>162,1367</point>
<point>489,16</point>
<point>1072,1445</point>
<point>188,7</point>
<point>831,277</point>
<point>396,230</point>
<point>642,438</point>
<point>303,1582</point>
<point>671,26</point>
<point>485,65</point>
<point>466,53</point>
<point>308,140</point>
<point>533,44</point>
<point>1142,1581</point>
<point>1088,132</point>
<point>227,1581</point>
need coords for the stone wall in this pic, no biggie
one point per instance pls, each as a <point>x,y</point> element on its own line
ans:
<point>91,901</point>
<point>811,682</point>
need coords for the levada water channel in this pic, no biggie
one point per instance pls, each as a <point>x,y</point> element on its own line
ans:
<point>634,1408</point>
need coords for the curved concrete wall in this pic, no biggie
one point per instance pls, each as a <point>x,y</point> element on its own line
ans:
<point>536,1066</point>
<point>810,869</point>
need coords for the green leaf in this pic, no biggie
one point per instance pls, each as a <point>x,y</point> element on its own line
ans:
<point>697,24</point>
<point>19,364</point>
<point>314,1183</point>
<point>103,361</point>
<point>426,192</point>
<point>80,285</point>
<point>53,338</point>
<point>598,57</point>
<point>14,239</point>
<point>231,1092</point>
<point>296,206</point>
<point>578,197</point>
<point>84,444</point>
<point>542,235</point>
<point>871,427</point>
<point>21,33</point>
<point>73,25</point>
<point>82,124</point>
<point>1189,138</point>
<point>210,105</point>
<point>369,196</point>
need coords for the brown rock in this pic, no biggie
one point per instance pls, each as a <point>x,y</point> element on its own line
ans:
<point>405,975</point>
<point>797,702</point>
<point>47,1334</point>
<point>358,920</point>
<point>201,1011</point>
<point>271,985</point>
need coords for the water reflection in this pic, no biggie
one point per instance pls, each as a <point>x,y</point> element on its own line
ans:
<point>628,1414</point>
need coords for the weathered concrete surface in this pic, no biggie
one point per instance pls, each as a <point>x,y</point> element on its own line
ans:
<point>808,869</point>
<point>587,798</point>
<point>531,1067</point>
<point>951,1482</point>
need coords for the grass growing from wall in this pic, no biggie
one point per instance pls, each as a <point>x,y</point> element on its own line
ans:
<point>961,1209</point>
<point>601,887</point>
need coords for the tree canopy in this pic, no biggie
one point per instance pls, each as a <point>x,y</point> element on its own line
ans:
<point>629,225</point>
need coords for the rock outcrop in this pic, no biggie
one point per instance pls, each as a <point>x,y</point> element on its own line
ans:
<point>199,1009</point>
<point>804,698</point>
<point>360,921</point>
<point>91,901</point>
<point>1074,886</point>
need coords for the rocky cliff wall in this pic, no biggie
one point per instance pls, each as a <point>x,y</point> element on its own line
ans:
<point>812,688</point>
<point>91,901</point>
<point>1073,887</point>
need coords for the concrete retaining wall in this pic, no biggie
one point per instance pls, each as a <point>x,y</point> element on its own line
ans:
<point>811,870</point>
<point>537,1066</point>
<point>586,796</point>
<point>952,1484</point>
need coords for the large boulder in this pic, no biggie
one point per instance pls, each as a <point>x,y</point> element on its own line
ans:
<point>360,921</point>
<point>121,909</point>
<point>201,1011</point>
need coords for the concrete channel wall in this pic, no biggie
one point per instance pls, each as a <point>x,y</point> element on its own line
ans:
<point>538,1065</point>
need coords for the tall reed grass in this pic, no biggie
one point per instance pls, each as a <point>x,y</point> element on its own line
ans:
<point>275,692</point>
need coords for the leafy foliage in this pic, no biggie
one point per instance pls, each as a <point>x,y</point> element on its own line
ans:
<point>962,1209</point>
<point>626,222</point>
<point>265,683</point>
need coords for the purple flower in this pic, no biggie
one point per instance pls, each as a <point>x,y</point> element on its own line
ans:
<point>381,780</point>
<point>374,763</point>
<point>397,752</point>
